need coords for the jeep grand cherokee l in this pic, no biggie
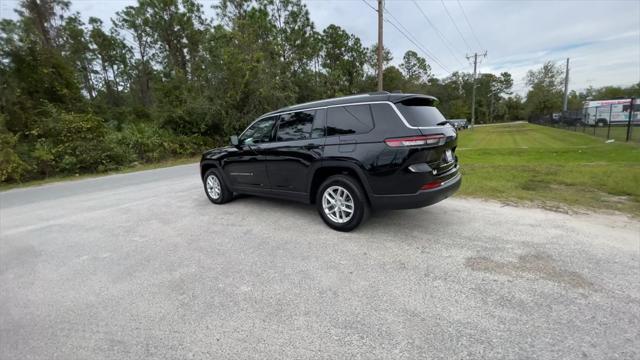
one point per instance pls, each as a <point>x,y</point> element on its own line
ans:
<point>346,155</point>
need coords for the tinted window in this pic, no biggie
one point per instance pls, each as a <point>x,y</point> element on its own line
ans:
<point>258,132</point>
<point>295,126</point>
<point>420,112</point>
<point>352,119</point>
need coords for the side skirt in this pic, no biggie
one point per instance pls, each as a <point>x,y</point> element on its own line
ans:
<point>279,194</point>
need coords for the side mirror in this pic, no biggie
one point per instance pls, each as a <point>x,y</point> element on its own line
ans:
<point>234,140</point>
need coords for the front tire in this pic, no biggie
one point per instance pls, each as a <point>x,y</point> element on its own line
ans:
<point>214,186</point>
<point>342,203</point>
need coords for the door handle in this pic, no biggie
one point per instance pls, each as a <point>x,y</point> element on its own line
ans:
<point>311,146</point>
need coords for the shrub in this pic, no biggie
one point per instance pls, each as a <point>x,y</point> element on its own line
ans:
<point>81,144</point>
<point>12,168</point>
<point>145,141</point>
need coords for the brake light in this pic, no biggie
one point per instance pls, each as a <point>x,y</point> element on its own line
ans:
<point>431,185</point>
<point>416,141</point>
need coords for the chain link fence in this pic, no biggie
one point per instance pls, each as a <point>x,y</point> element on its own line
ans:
<point>601,121</point>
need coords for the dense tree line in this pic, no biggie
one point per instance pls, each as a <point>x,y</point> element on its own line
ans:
<point>162,80</point>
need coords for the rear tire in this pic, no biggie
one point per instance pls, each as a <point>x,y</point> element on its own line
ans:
<point>214,186</point>
<point>342,203</point>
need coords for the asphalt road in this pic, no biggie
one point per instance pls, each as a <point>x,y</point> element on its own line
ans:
<point>141,265</point>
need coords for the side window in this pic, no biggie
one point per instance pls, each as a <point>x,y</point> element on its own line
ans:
<point>295,126</point>
<point>351,119</point>
<point>258,132</point>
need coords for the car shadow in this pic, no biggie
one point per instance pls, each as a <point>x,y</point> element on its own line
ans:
<point>380,221</point>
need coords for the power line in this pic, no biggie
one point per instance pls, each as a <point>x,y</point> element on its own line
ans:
<point>409,37</point>
<point>369,5</point>
<point>440,35</point>
<point>455,25</point>
<point>469,23</point>
<point>435,58</point>
<point>418,46</point>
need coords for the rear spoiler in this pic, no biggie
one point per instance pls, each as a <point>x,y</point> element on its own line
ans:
<point>428,99</point>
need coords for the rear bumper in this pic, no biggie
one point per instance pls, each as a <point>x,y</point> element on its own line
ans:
<point>420,199</point>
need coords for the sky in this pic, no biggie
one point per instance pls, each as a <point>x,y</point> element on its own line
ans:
<point>601,38</point>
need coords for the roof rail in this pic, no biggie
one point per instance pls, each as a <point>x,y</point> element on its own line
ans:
<point>378,93</point>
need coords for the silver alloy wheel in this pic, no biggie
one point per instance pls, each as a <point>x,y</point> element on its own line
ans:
<point>213,187</point>
<point>337,204</point>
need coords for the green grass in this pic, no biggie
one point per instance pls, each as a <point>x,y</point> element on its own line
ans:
<point>538,165</point>
<point>617,132</point>
<point>550,168</point>
<point>140,167</point>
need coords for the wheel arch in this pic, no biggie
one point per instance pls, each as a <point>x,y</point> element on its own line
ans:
<point>207,165</point>
<point>330,168</point>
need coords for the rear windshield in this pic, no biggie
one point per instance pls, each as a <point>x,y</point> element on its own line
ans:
<point>420,112</point>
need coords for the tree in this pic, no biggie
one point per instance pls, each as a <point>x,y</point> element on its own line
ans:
<point>77,49</point>
<point>372,59</point>
<point>43,18</point>
<point>415,68</point>
<point>514,108</point>
<point>393,79</point>
<point>162,80</point>
<point>112,56</point>
<point>546,92</point>
<point>132,20</point>
<point>343,58</point>
<point>298,44</point>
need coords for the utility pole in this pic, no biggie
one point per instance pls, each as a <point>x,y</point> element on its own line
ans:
<point>380,46</point>
<point>566,87</point>
<point>473,93</point>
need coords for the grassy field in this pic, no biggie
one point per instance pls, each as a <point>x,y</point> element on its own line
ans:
<point>524,163</point>
<point>617,132</point>
<point>549,167</point>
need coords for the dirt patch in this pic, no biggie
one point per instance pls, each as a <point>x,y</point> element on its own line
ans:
<point>537,265</point>
<point>545,205</point>
<point>620,199</point>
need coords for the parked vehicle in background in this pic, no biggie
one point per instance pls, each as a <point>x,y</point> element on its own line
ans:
<point>346,155</point>
<point>605,112</point>
<point>570,118</point>
<point>459,124</point>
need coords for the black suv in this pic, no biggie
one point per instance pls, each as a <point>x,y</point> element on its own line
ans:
<point>346,155</point>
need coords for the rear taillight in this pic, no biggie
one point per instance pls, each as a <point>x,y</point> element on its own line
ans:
<point>427,140</point>
<point>431,185</point>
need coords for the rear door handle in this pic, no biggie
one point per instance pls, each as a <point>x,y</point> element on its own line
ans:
<point>311,146</point>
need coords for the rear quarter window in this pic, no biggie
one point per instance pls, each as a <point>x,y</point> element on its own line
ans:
<point>420,112</point>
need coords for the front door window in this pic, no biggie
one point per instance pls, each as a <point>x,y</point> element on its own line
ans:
<point>258,132</point>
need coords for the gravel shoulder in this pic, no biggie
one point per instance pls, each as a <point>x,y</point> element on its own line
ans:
<point>141,265</point>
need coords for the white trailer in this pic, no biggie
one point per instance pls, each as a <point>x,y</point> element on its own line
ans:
<point>603,112</point>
